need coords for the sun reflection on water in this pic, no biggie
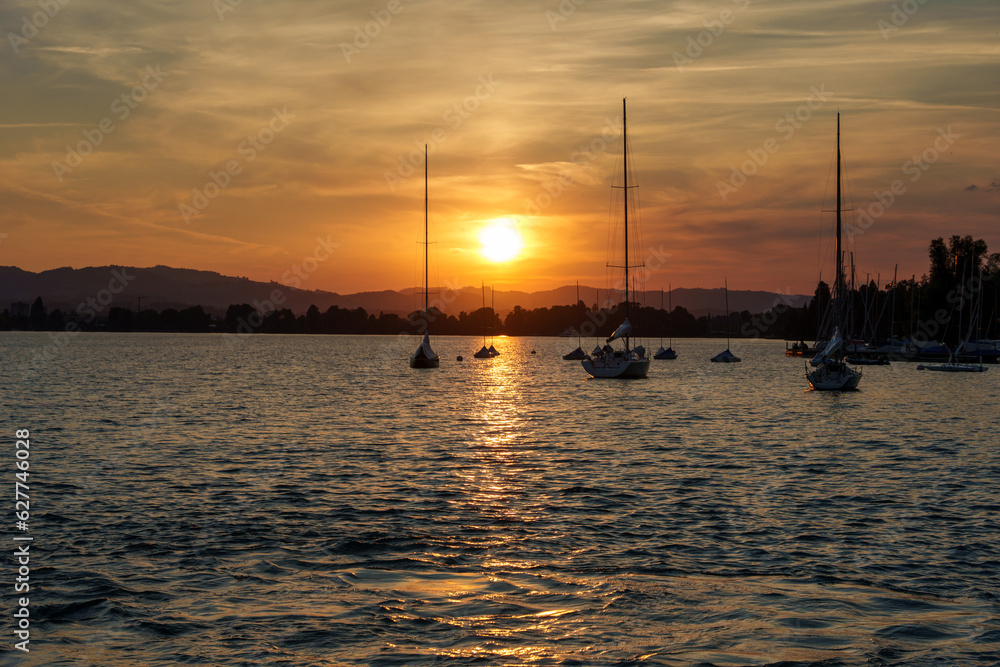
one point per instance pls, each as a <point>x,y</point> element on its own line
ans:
<point>498,486</point>
<point>498,468</point>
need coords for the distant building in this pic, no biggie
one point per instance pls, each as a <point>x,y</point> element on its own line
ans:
<point>20,309</point>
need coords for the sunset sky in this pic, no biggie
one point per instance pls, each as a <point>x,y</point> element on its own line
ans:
<point>115,113</point>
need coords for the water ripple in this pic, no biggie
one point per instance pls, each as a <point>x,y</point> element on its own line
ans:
<point>313,501</point>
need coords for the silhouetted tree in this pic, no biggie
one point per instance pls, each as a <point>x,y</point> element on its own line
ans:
<point>194,320</point>
<point>279,321</point>
<point>242,318</point>
<point>56,320</point>
<point>119,319</point>
<point>146,320</point>
<point>313,320</point>
<point>38,315</point>
<point>169,320</point>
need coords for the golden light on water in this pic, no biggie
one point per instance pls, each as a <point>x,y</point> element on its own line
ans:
<point>501,241</point>
<point>497,472</point>
<point>497,466</point>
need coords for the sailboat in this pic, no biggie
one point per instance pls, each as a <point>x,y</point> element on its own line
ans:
<point>484,352</point>
<point>493,297</point>
<point>578,353</point>
<point>627,363</point>
<point>831,372</point>
<point>425,357</point>
<point>669,352</point>
<point>726,357</point>
<point>953,366</point>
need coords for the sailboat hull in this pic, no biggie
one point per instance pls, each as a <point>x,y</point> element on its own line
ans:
<point>425,357</point>
<point>425,363</point>
<point>953,368</point>
<point>867,361</point>
<point>617,366</point>
<point>830,377</point>
<point>725,357</point>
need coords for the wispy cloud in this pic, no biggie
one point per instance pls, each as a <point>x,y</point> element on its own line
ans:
<point>560,86</point>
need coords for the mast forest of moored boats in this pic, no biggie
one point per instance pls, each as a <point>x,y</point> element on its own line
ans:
<point>831,367</point>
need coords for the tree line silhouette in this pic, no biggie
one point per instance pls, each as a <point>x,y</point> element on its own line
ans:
<point>961,272</point>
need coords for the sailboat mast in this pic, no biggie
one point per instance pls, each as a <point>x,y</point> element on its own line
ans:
<point>892,316</point>
<point>579,318</point>
<point>427,316</point>
<point>625,172</point>
<point>726,286</point>
<point>670,308</point>
<point>661,310</point>
<point>961,307</point>
<point>848,321</point>
<point>840,261</point>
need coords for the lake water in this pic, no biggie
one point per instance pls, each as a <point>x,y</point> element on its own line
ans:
<point>301,500</point>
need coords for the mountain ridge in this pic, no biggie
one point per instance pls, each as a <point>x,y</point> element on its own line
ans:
<point>160,287</point>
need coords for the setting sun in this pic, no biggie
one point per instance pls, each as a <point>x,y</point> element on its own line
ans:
<point>500,240</point>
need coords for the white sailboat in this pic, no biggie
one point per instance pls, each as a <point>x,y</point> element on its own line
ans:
<point>669,352</point>
<point>726,357</point>
<point>425,357</point>
<point>629,362</point>
<point>831,372</point>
